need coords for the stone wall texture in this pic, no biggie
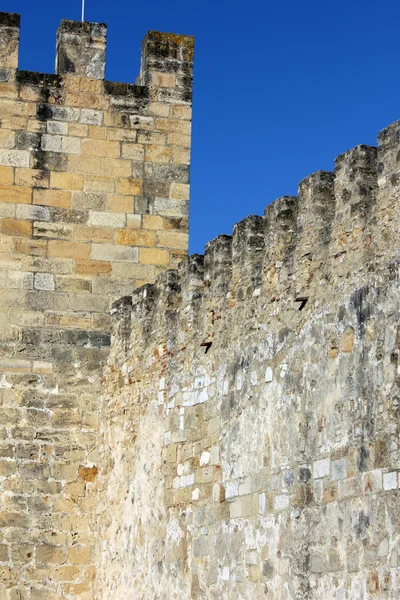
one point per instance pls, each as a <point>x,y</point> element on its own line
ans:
<point>94,189</point>
<point>217,427</point>
<point>250,406</point>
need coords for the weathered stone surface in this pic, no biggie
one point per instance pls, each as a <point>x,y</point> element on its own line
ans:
<point>250,405</point>
<point>72,175</point>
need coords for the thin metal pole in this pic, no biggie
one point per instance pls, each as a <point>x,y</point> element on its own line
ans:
<point>83,10</point>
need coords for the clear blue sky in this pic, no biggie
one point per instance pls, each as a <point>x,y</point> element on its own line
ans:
<point>281,88</point>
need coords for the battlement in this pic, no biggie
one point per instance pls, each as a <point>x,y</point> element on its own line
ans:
<point>253,392</point>
<point>331,228</point>
<point>166,61</point>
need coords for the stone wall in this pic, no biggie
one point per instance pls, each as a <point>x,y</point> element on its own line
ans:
<point>94,188</point>
<point>250,407</point>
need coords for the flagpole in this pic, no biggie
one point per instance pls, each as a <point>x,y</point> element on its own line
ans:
<point>83,10</point>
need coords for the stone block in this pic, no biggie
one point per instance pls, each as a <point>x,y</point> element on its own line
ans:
<point>109,252</point>
<point>321,468</point>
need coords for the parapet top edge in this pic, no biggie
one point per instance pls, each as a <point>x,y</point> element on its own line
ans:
<point>10,19</point>
<point>111,88</point>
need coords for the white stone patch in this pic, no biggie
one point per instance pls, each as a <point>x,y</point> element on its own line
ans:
<point>216,492</point>
<point>284,369</point>
<point>262,504</point>
<point>383,548</point>
<point>339,469</point>
<point>180,469</point>
<point>239,382</point>
<point>214,455</point>
<point>160,398</point>
<point>281,502</point>
<point>245,487</point>
<point>57,127</point>
<point>162,384</point>
<point>106,219</point>
<point>167,438</point>
<point>254,378</point>
<point>191,398</point>
<point>196,494</point>
<point>225,389</point>
<point>204,458</point>
<point>252,558</point>
<point>184,481</point>
<point>14,158</point>
<point>208,379</point>
<point>321,468</point>
<point>199,382</point>
<point>231,489</point>
<point>390,481</point>
<point>91,117</point>
<point>268,375</point>
<point>225,574</point>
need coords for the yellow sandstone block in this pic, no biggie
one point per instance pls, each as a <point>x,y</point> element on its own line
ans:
<point>16,227</point>
<point>52,198</point>
<point>179,191</point>
<point>97,133</point>
<point>158,110</point>
<point>120,204</point>
<point>181,111</point>
<point>78,555</point>
<point>66,181</point>
<point>32,177</point>
<point>99,184</point>
<point>181,156</point>
<point>16,194</point>
<point>78,130</point>
<point>119,134</point>
<point>114,167</point>
<point>90,165</point>
<point>161,79</point>
<point>172,126</point>
<point>6,175</point>
<point>153,256</point>
<point>130,187</point>
<point>31,247</point>
<point>76,320</point>
<point>14,123</point>
<point>92,267</point>
<point>135,237</point>
<point>152,222</point>
<point>19,109</point>
<point>91,85</point>
<point>83,100</point>
<point>169,239</point>
<point>8,90</point>
<point>6,245</point>
<point>93,234</point>
<point>63,249</point>
<point>133,151</point>
<point>101,148</point>
<point>158,154</point>
<point>176,139</point>
<point>7,138</point>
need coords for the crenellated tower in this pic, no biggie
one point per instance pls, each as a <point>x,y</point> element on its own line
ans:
<point>94,190</point>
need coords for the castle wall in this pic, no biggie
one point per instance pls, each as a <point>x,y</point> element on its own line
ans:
<point>250,407</point>
<point>94,189</point>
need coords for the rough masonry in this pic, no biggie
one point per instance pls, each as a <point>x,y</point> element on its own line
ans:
<point>94,188</point>
<point>237,436</point>
<point>250,406</point>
